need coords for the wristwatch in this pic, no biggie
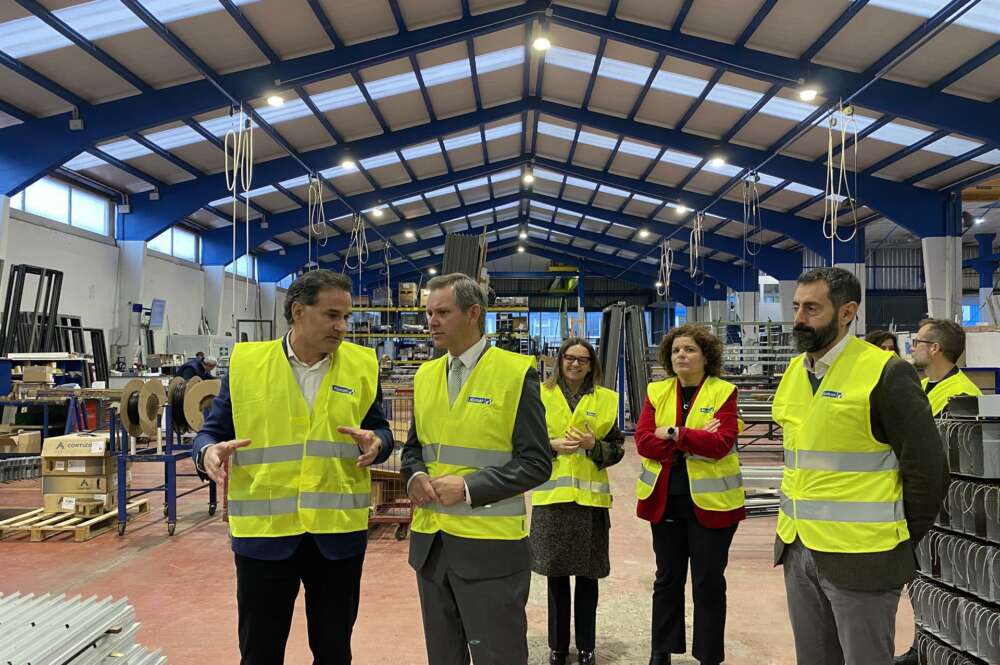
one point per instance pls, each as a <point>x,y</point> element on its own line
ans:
<point>671,432</point>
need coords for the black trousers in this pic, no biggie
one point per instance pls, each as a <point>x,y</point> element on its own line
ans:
<point>585,613</point>
<point>675,542</point>
<point>265,597</point>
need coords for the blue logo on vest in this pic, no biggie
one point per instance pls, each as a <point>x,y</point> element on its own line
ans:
<point>833,394</point>
<point>480,400</point>
<point>591,414</point>
<point>342,390</point>
<point>707,409</point>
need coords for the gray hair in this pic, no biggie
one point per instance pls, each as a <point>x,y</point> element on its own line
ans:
<point>210,360</point>
<point>305,289</point>
<point>468,292</point>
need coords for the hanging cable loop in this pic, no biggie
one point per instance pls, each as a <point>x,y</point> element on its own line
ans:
<point>358,245</point>
<point>695,262</point>
<point>665,269</point>
<point>238,148</point>
<point>316,217</point>
<point>838,191</point>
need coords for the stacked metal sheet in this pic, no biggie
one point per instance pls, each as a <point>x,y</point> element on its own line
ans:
<point>20,468</point>
<point>463,253</point>
<point>54,630</point>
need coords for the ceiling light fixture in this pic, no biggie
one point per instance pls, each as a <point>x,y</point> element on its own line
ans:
<point>717,162</point>
<point>377,212</point>
<point>541,43</point>
<point>347,164</point>
<point>523,235</point>
<point>683,210</point>
<point>432,271</point>
<point>275,100</point>
<point>643,233</point>
<point>979,220</point>
<point>659,285</point>
<point>528,177</point>
<point>409,234</point>
<point>808,94</point>
<point>520,249</point>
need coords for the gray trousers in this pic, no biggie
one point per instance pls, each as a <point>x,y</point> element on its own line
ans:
<point>481,620</point>
<point>836,626</point>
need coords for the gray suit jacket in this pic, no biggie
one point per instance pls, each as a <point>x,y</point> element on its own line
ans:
<point>530,467</point>
<point>901,417</point>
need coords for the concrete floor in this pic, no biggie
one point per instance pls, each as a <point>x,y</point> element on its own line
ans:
<point>183,587</point>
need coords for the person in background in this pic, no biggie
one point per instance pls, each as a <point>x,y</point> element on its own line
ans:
<point>202,368</point>
<point>937,347</point>
<point>300,420</point>
<point>477,443</point>
<point>864,477</point>
<point>690,491</point>
<point>570,516</point>
<point>884,340</point>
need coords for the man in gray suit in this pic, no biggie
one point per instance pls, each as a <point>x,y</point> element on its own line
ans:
<point>478,442</point>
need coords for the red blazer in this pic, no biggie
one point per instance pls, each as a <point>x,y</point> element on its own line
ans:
<point>715,445</point>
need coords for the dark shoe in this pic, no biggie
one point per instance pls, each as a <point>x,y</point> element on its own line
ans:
<point>587,658</point>
<point>558,657</point>
<point>908,658</point>
<point>659,659</point>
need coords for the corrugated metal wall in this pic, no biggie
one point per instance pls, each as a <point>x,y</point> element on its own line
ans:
<point>895,268</point>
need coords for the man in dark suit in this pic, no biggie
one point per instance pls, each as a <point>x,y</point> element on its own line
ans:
<point>201,367</point>
<point>477,443</point>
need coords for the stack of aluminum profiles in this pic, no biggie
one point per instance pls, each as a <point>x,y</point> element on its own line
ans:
<point>20,468</point>
<point>54,630</point>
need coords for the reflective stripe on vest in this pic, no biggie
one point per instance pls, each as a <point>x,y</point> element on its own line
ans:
<point>956,384</point>
<point>827,461</point>
<point>715,484</point>
<point>470,434</point>
<point>319,486</point>
<point>844,511</point>
<point>841,489</point>
<point>575,477</point>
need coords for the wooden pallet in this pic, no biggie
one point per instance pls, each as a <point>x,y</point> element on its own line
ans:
<point>41,525</point>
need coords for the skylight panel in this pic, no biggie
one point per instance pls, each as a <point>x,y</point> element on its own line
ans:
<point>462,141</point>
<point>679,84</point>
<point>469,184</point>
<point>570,59</point>
<point>542,206</point>
<point>556,131</point>
<point>503,131</point>
<point>505,175</point>
<point>95,20</point>
<point>733,96</point>
<point>577,182</point>
<point>390,86</point>
<point>385,159</point>
<point>646,199</point>
<point>545,174</point>
<point>440,192</point>
<point>619,70</point>
<point>803,189</point>
<point>597,140</point>
<point>680,159</point>
<point>953,146</point>
<point>422,150</point>
<point>985,16</point>
<point>639,149</point>
<point>614,191</point>
<point>508,206</point>
<point>899,134</point>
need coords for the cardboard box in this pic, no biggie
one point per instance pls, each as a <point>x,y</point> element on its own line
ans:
<point>80,454</point>
<point>79,466</point>
<point>38,374</point>
<point>407,294</point>
<point>66,503</point>
<point>79,484</point>
<point>424,295</point>
<point>361,301</point>
<point>21,442</point>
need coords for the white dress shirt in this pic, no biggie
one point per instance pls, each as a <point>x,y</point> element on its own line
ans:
<point>819,367</point>
<point>309,377</point>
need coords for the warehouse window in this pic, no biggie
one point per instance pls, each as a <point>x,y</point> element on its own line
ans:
<point>286,281</point>
<point>58,201</point>
<point>177,242</point>
<point>245,266</point>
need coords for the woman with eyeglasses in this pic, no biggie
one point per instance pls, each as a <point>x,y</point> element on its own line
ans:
<point>570,516</point>
<point>690,490</point>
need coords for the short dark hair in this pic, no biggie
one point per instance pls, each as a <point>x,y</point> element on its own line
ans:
<point>877,337</point>
<point>948,335</point>
<point>306,288</point>
<point>710,345</point>
<point>595,375</point>
<point>844,286</point>
<point>468,292</point>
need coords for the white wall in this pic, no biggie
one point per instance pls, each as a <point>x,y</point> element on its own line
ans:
<point>89,270</point>
<point>183,287</point>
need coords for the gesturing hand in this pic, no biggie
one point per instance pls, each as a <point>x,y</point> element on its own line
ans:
<point>215,456</point>
<point>367,441</point>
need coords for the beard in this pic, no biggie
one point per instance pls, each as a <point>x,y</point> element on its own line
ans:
<point>811,340</point>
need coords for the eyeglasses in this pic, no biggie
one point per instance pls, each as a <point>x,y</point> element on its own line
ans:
<point>574,360</point>
<point>922,341</point>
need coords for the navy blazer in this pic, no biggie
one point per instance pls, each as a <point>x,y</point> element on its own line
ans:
<point>219,426</point>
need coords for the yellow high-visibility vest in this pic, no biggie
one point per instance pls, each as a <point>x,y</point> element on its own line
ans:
<point>957,384</point>
<point>471,434</point>
<point>716,484</point>
<point>299,475</point>
<point>575,477</point>
<point>841,490</point>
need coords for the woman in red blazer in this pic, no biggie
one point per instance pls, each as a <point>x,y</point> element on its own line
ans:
<point>682,530</point>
